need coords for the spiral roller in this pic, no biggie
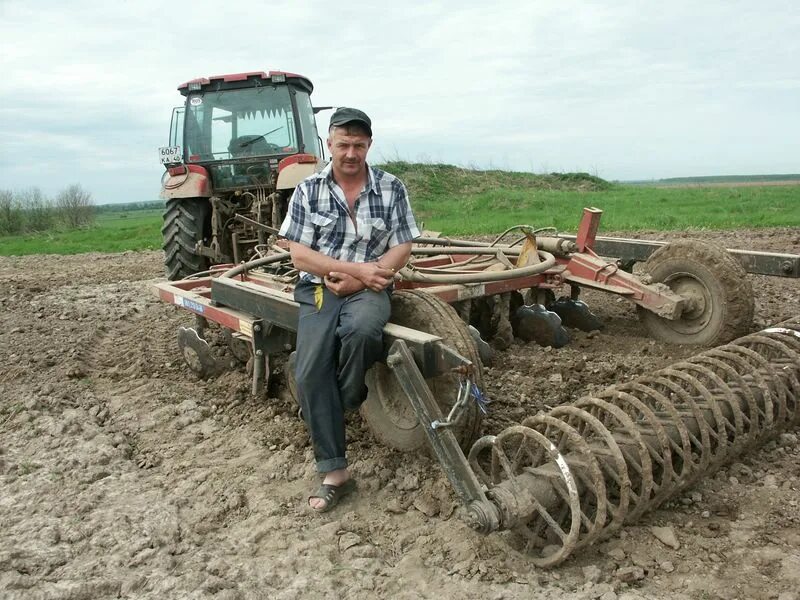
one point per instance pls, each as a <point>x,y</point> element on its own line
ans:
<point>570,477</point>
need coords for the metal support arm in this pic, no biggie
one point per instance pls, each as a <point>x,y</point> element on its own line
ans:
<point>481,513</point>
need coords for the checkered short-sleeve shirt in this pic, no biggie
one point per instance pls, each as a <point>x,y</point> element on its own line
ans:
<point>318,217</point>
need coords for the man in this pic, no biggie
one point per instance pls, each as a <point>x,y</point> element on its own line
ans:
<point>350,229</point>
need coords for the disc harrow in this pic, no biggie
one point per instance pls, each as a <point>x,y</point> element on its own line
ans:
<point>565,479</point>
<point>558,481</point>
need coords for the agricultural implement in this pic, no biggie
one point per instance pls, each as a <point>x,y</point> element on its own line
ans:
<point>565,479</point>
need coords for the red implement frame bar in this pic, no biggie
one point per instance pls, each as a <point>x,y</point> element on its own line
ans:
<point>583,268</point>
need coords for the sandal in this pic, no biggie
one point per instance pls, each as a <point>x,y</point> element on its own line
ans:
<point>331,494</point>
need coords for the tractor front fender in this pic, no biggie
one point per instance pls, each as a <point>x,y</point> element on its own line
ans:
<point>293,169</point>
<point>186,181</point>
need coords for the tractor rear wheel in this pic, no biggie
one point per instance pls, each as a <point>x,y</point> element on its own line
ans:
<point>720,295</point>
<point>388,411</point>
<point>185,223</point>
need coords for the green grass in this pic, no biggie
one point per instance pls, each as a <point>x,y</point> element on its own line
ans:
<point>721,179</point>
<point>111,232</point>
<point>624,209</point>
<point>461,201</point>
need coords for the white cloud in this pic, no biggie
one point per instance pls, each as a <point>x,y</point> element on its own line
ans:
<point>623,88</point>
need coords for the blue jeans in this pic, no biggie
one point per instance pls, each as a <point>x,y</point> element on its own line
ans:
<point>336,344</point>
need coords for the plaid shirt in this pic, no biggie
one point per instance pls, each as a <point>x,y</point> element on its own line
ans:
<point>318,217</point>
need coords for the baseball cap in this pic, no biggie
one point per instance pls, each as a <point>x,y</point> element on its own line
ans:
<point>348,115</point>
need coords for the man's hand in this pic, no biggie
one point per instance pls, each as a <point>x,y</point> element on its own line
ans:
<point>374,276</point>
<point>342,284</point>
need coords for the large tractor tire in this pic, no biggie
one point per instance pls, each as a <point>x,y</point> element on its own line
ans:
<point>185,223</point>
<point>721,307</point>
<point>388,411</point>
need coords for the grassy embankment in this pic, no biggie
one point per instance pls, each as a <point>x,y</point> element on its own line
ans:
<point>460,201</point>
<point>464,201</point>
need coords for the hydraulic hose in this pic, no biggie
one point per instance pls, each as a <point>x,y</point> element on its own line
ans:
<point>254,264</point>
<point>433,275</point>
<point>409,273</point>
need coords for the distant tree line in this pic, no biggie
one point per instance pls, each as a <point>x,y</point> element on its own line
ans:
<point>30,211</point>
<point>129,206</point>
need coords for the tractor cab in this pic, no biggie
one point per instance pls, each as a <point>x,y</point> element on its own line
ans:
<point>238,147</point>
<point>239,127</point>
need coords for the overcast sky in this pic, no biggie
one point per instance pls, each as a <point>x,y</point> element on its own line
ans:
<point>622,89</point>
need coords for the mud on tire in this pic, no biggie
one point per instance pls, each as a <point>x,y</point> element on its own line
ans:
<point>722,296</point>
<point>185,223</point>
<point>387,411</point>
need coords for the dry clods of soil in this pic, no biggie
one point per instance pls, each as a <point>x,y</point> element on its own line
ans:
<point>124,476</point>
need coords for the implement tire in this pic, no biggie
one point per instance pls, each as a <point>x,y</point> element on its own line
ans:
<point>387,411</point>
<point>185,224</point>
<point>722,296</point>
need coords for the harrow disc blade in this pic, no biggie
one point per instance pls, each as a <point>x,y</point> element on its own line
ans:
<point>387,411</point>
<point>197,353</point>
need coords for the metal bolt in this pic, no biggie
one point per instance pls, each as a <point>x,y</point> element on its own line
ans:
<point>256,327</point>
<point>259,353</point>
<point>482,516</point>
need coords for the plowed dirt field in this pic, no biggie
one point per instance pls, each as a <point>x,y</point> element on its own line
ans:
<point>124,476</point>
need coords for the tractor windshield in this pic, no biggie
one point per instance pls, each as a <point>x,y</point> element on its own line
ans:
<point>240,123</point>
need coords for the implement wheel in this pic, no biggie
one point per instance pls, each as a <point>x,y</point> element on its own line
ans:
<point>721,297</point>
<point>388,411</point>
<point>185,222</point>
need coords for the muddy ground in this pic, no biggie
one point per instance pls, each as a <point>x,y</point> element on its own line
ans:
<point>123,475</point>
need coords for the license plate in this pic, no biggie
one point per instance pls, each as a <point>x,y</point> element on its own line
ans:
<point>170,155</point>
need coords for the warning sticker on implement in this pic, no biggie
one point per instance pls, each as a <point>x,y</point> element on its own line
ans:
<point>190,304</point>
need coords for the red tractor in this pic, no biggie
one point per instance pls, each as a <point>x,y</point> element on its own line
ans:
<point>237,148</point>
